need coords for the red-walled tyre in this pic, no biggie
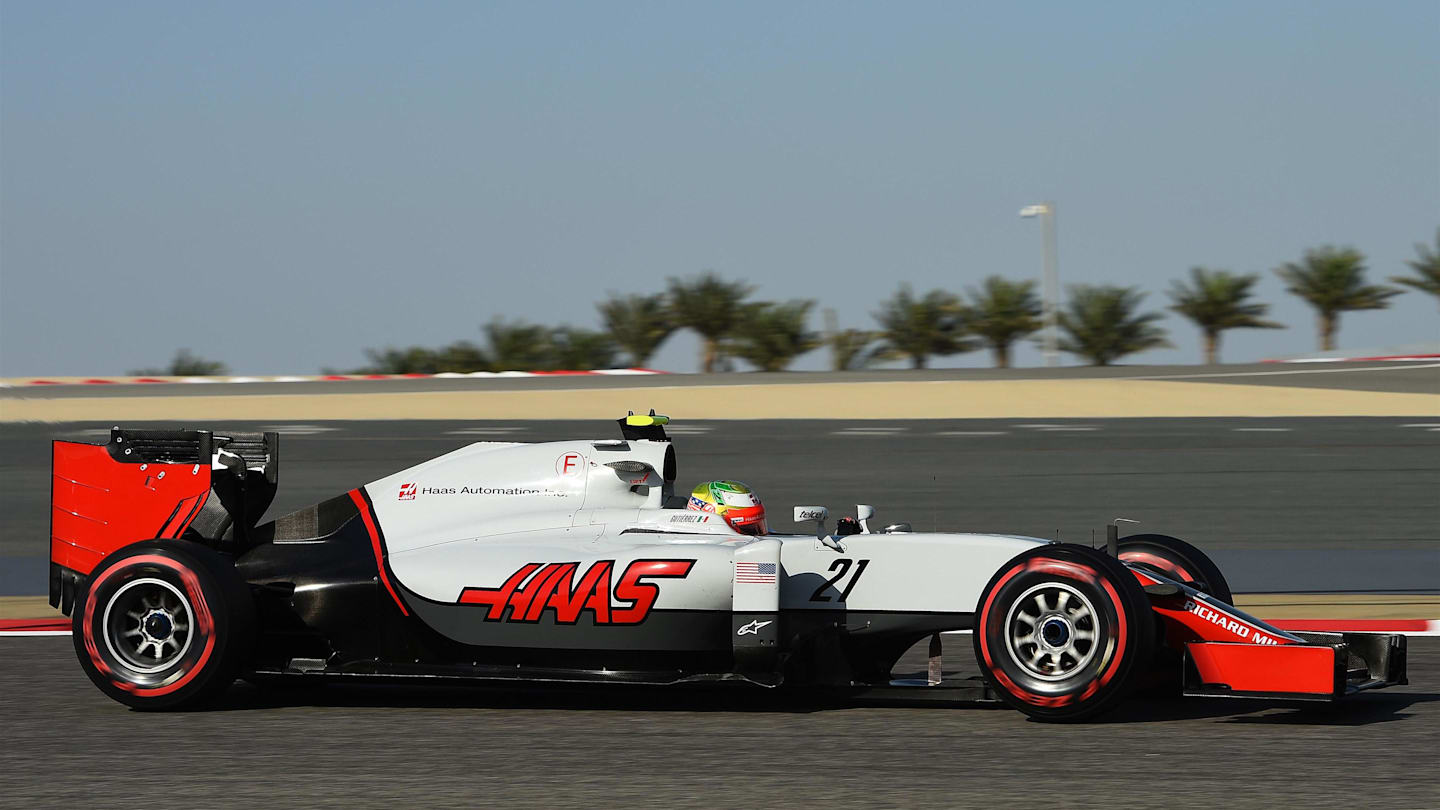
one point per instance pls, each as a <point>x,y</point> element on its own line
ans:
<point>164,624</point>
<point>1063,632</point>
<point>1178,560</point>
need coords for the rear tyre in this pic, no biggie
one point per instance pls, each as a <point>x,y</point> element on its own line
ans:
<point>1178,560</point>
<point>1063,632</point>
<point>164,625</point>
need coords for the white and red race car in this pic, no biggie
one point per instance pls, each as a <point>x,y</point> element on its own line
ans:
<point>575,562</point>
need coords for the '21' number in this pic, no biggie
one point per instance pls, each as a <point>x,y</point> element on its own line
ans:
<point>841,568</point>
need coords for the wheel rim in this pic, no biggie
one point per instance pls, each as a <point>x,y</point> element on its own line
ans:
<point>148,625</point>
<point>1051,632</point>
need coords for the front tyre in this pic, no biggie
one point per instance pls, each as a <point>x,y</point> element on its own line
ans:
<point>1176,559</point>
<point>1063,632</point>
<point>163,625</point>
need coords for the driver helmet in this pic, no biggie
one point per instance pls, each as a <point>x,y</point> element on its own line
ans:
<point>732,500</point>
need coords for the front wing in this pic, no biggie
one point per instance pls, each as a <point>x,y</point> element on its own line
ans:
<point>1228,653</point>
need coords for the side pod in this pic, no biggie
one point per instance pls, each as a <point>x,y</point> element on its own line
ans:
<point>756,629</point>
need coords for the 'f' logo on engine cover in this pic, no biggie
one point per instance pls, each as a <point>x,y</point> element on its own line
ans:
<point>528,592</point>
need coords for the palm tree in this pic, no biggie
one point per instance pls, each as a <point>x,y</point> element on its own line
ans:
<point>1333,281</point>
<point>1103,326</point>
<point>390,360</point>
<point>461,357</point>
<point>581,349</point>
<point>712,307</point>
<point>919,327</point>
<point>774,335</point>
<point>1216,300</point>
<point>184,364</point>
<point>852,349</point>
<point>638,323</point>
<point>1427,269</point>
<point>1002,312</point>
<point>519,346</point>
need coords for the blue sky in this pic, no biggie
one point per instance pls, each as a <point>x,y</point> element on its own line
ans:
<point>279,186</point>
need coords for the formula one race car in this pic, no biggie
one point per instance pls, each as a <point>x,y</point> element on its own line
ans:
<point>576,562</point>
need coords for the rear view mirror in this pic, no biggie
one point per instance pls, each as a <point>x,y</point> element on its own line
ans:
<point>863,513</point>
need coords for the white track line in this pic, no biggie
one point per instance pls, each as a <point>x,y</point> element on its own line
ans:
<point>1273,373</point>
<point>973,433</point>
<point>1410,358</point>
<point>8,633</point>
<point>1262,430</point>
<point>298,430</point>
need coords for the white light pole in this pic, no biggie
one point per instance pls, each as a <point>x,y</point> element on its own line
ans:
<point>1050,289</point>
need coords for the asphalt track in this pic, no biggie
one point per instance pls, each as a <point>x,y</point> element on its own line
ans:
<point>68,745</point>
<point>1293,505</point>
<point>1283,504</point>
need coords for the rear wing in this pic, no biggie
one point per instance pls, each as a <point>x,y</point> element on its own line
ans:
<point>147,484</point>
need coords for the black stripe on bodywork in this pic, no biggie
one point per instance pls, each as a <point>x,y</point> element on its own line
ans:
<point>662,629</point>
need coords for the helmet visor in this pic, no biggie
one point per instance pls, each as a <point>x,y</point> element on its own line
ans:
<point>747,521</point>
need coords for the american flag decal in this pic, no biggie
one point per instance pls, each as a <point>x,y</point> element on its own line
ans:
<point>756,573</point>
